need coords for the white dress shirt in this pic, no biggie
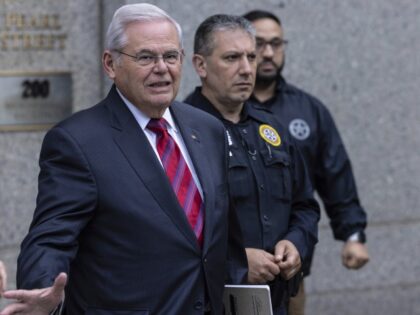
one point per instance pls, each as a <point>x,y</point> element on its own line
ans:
<point>143,120</point>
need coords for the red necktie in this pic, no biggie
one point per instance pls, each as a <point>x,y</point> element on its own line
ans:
<point>179,175</point>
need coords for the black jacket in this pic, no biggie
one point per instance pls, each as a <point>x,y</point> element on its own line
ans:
<point>268,183</point>
<point>313,128</point>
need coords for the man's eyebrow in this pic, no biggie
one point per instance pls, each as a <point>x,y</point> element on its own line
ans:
<point>271,38</point>
<point>236,52</point>
<point>145,50</point>
<point>149,51</point>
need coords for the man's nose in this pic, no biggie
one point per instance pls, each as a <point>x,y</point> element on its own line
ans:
<point>267,51</point>
<point>160,65</point>
<point>246,66</point>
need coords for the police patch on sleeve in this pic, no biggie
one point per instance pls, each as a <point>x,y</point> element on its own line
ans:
<point>299,129</point>
<point>270,135</point>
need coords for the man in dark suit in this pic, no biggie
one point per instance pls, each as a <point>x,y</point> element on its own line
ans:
<point>133,231</point>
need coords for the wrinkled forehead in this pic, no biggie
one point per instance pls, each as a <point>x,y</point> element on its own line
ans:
<point>156,32</point>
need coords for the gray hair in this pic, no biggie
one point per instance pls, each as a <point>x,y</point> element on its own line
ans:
<point>203,39</point>
<point>116,39</point>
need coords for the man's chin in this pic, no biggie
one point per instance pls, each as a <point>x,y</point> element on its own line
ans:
<point>266,78</point>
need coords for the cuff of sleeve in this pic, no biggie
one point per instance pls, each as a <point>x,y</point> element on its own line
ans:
<point>296,239</point>
<point>357,237</point>
<point>59,309</point>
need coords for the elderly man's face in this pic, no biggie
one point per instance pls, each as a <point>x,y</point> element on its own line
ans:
<point>150,87</point>
<point>228,74</point>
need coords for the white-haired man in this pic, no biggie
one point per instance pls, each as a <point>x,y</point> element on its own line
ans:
<point>132,207</point>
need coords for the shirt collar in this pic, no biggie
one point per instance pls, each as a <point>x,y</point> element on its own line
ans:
<point>281,85</point>
<point>142,119</point>
<point>202,102</point>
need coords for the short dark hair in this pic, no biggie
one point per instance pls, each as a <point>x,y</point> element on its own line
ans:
<point>203,39</point>
<point>260,14</point>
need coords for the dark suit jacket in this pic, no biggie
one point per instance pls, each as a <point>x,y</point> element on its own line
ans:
<point>107,215</point>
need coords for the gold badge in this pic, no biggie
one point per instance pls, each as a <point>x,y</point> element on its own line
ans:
<point>270,135</point>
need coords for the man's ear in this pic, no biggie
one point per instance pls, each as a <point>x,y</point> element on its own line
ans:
<point>182,56</point>
<point>109,64</point>
<point>200,65</point>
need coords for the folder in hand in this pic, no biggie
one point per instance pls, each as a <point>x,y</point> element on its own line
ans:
<point>247,300</point>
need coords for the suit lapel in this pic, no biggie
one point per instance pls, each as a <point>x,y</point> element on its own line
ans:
<point>192,139</point>
<point>136,148</point>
